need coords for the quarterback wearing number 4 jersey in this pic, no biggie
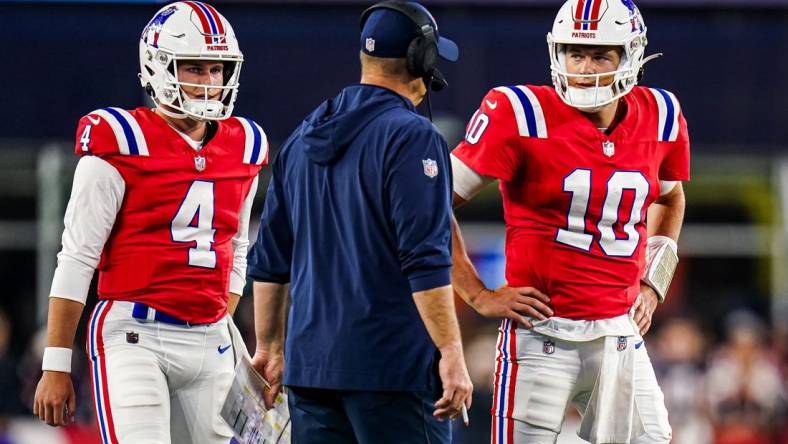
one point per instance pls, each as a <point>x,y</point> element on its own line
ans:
<point>160,207</point>
<point>580,165</point>
<point>181,203</point>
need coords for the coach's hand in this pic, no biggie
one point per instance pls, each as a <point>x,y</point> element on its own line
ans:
<point>457,386</point>
<point>270,365</point>
<point>55,401</point>
<point>513,303</point>
<point>644,307</point>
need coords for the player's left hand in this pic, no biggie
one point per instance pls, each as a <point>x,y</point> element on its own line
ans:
<point>644,307</point>
<point>270,365</point>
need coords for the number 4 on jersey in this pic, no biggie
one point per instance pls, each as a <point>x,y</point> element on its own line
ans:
<point>579,184</point>
<point>84,139</point>
<point>194,224</point>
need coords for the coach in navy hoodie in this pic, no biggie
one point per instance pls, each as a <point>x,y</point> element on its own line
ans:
<point>357,221</point>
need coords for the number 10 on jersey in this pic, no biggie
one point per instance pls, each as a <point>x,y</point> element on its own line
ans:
<point>193,223</point>
<point>578,183</point>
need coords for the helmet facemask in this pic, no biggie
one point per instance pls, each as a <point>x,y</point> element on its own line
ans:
<point>173,100</point>
<point>592,99</point>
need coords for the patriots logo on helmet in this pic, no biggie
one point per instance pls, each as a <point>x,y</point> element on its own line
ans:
<point>637,24</point>
<point>631,6</point>
<point>157,23</point>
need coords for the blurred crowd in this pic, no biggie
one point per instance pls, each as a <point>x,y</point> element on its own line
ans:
<point>726,390</point>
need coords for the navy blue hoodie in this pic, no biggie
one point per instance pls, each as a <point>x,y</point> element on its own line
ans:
<point>357,218</point>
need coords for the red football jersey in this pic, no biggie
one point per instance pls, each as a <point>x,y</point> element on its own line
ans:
<point>171,244</point>
<point>575,199</point>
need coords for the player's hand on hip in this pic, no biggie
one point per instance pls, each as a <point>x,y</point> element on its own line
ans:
<point>644,307</point>
<point>514,303</point>
<point>55,401</point>
<point>270,365</point>
<point>457,386</point>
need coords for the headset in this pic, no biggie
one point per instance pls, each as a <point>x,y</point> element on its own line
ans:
<point>422,55</point>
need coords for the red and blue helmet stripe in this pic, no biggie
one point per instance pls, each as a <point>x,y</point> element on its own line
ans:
<point>587,14</point>
<point>212,26</point>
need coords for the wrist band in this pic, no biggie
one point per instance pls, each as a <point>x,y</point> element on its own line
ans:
<point>661,261</point>
<point>57,359</point>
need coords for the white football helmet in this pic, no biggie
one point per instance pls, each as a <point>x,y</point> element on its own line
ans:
<point>189,30</point>
<point>598,23</point>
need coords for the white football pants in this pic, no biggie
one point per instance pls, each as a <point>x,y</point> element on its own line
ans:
<point>536,378</point>
<point>158,383</point>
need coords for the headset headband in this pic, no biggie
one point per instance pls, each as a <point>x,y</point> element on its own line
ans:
<point>417,15</point>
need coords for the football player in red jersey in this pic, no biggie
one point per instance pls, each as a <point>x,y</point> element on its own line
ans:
<point>160,206</point>
<point>580,165</point>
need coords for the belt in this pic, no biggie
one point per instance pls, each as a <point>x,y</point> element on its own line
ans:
<point>150,314</point>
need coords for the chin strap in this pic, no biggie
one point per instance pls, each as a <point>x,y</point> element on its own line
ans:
<point>164,110</point>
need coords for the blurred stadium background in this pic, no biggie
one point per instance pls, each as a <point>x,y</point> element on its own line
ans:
<point>720,343</point>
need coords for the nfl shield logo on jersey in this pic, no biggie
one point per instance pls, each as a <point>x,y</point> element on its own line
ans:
<point>622,343</point>
<point>548,347</point>
<point>370,45</point>
<point>609,148</point>
<point>430,168</point>
<point>199,163</point>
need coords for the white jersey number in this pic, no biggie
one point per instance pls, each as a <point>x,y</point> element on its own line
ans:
<point>194,224</point>
<point>579,184</point>
<point>476,128</point>
<point>84,140</point>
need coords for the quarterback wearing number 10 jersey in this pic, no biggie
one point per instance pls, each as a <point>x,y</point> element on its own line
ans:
<point>171,243</point>
<point>575,197</point>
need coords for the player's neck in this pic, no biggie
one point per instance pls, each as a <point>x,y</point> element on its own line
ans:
<point>413,90</point>
<point>605,117</point>
<point>194,129</point>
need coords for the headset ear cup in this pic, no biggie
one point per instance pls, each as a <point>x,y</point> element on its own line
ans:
<point>415,57</point>
<point>422,57</point>
<point>430,58</point>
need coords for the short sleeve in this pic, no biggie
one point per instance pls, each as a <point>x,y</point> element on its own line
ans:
<point>491,145</point>
<point>671,134</point>
<point>95,136</point>
<point>108,132</point>
<point>270,258</point>
<point>676,161</point>
<point>418,190</point>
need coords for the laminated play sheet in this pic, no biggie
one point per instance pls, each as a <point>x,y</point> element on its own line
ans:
<point>245,412</point>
